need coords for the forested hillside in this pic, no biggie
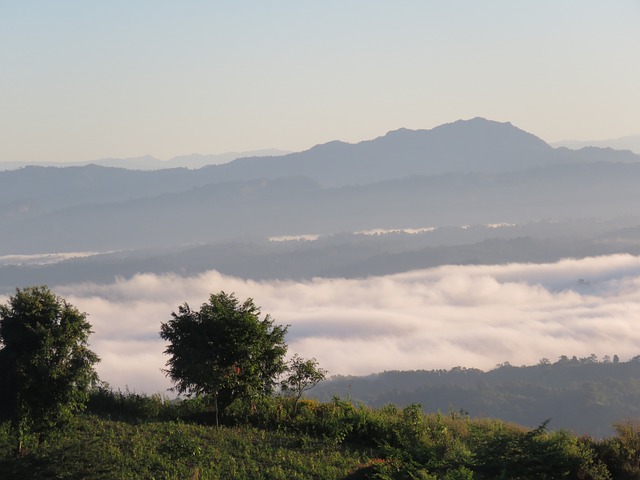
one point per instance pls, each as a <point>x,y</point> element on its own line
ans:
<point>583,395</point>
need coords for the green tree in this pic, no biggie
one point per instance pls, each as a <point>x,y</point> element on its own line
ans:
<point>46,367</point>
<point>224,350</point>
<point>302,375</point>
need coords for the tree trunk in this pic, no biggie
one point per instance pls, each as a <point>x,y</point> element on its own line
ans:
<point>215,401</point>
<point>17,425</point>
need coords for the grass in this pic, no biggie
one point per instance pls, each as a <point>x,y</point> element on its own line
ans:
<point>95,448</point>
<point>128,436</point>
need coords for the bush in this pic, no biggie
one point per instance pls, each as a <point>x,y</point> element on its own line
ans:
<point>130,406</point>
<point>622,452</point>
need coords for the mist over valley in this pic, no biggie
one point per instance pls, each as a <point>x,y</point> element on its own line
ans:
<point>471,244</point>
<point>293,240</point>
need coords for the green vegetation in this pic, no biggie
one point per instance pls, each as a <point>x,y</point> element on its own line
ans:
<point>583,395</point>
<point>227,360</point>
<point>127,435</point>
<point>302,375</point>
<point>224,351</point>
<point>46,368</point>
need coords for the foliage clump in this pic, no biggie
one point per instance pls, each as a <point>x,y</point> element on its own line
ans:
<point>46,367</point>
<point>301,376</point>
<point>224,350</point>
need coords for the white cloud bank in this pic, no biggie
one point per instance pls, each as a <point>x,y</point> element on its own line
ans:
<point>472,316</point>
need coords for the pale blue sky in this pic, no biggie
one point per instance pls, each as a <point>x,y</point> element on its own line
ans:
<point>82,80</point>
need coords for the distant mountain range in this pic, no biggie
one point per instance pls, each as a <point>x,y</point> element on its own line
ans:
<point>465,146</point>
<point>471,172</point>
<point>147,162</point>
<point>631,142</point>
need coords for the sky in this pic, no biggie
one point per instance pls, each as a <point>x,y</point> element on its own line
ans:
<point>89,80</point>
<point>438,318</point>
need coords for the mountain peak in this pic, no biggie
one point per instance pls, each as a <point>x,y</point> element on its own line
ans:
<point>476,145</point>
<point>474,128</point>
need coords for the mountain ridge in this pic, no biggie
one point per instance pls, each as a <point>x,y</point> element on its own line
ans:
<point>465,172</point>
<point>464,146</point>
<point>148,162</point>
<point>628,142</point>
<point>299,205</point>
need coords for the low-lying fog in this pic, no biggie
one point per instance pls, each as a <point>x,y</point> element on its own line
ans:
<point>471,316</point>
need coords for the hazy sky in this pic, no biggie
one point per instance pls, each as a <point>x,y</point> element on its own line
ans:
<point>86,80</point>
<point>471,316</point>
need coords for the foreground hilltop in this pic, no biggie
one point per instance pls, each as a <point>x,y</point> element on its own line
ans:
<point>129,436</point>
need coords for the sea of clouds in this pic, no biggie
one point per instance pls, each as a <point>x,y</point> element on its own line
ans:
<point>471,316</point>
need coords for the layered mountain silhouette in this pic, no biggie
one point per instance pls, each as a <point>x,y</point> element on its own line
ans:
<point>476,145</point>
<point>463,173</point>
<point>148,162</point>
<point>471,146</point>
<point>465,146</point>
<point>630,142</point>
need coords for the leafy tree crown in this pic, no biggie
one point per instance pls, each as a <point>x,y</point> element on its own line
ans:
<point>224,349</point>
<point>46,366</point>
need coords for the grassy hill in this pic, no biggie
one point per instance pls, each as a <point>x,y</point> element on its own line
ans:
<point>129,436</point>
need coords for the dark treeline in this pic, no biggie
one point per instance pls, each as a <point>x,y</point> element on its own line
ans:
<point>584,395</point>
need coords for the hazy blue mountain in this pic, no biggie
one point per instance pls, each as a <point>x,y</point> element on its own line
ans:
<point>196,160</point>
<point>465,146</point>
<point>55,187</point>
<point>466,172</point>
<point>473,146</point>
<point>148,162</point>
<point>283,206</point>
<point>631,142</point>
